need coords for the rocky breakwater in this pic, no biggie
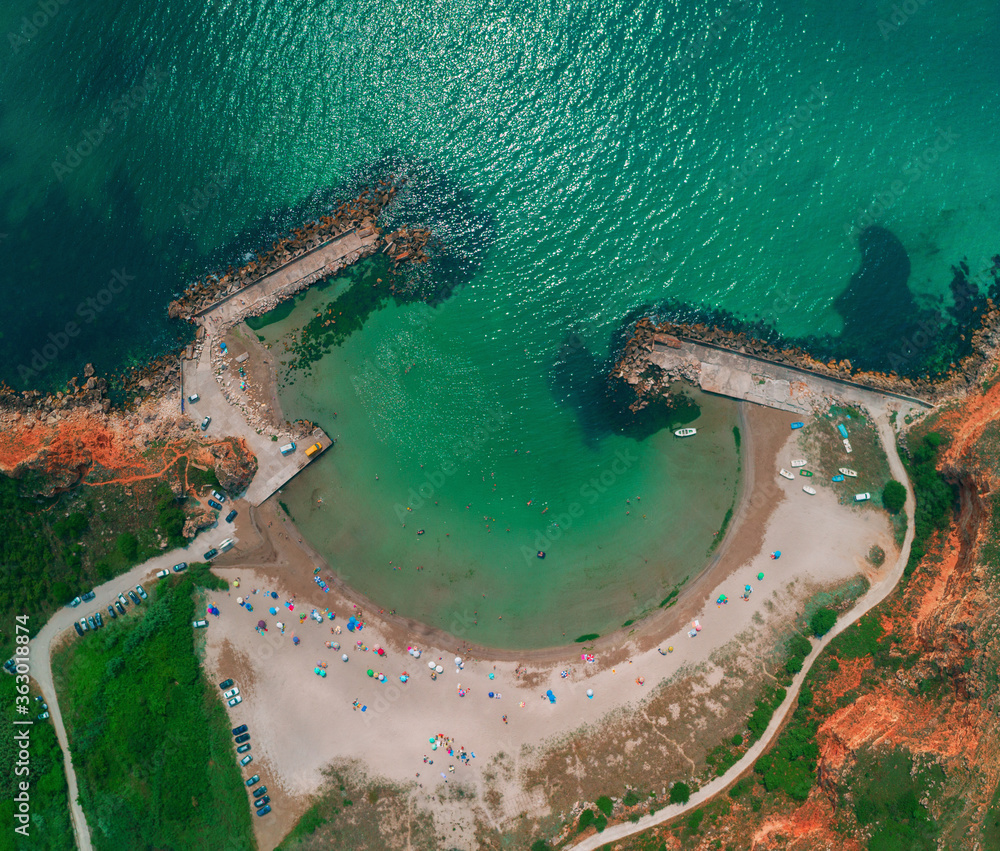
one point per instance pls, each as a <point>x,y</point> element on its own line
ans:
<point>635,368</point>
<point>360,216</point>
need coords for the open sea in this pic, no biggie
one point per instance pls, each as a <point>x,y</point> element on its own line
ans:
<point>580,160</point>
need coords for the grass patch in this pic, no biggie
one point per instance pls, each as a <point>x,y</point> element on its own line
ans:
<point>590,636</point>
<point>150,737</point>
<point>935,496</point>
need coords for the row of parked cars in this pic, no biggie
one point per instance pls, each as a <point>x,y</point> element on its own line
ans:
<point>261,801</point>
<point>96,620</point>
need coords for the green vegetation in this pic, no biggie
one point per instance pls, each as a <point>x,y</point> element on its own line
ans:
<point>991,824</point>
<point>680,793</point>
<point>876,555</point>
<point>49,828</point>
<point>791,765</point>
<point>822,621</point>
<point>763,710</point>
<point>605,805</point>
<point>149,733</point>
<point>590,636</point>
<point>601,822</point>
<point>741,787</point>
<point>736,437</point>
<point>695,819</point>
<point>539,845</point>
<point>586,819</point>
<point>935,496</point>
<point>893,496</point>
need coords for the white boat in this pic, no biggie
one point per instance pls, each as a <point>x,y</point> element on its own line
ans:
<point>801,462</point>
<point>848,472</point>
<point>685,432</point>
<point>809,490</point>
<point>785,473</point>
<point>847,445</point>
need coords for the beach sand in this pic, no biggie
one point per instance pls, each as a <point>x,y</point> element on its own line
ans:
<point>301,722</point>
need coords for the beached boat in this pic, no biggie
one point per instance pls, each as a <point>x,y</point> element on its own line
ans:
<point>847,446</point>
<point>785,473</point>
<point>685,432</point>
<point>805,472</point>
<point>799,462</point>
<point>797,425</point>
<point>848,472</point>
<point>809,490</point>
<point>837,478</point>
<point>843,430</point>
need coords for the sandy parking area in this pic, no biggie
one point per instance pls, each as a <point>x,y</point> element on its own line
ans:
<point>301,722</point>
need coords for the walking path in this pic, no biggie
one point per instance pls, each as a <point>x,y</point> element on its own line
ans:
<point>875,595</point>
<point>60,626</point>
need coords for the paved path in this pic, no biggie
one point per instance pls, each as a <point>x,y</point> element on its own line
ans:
<point>875,595</point>
<point>313,265</point>
<point>60,626</point>
<point>274,468</point>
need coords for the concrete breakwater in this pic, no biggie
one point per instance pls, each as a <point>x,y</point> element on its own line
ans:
<point>963,375</point>
<point>310,253</point>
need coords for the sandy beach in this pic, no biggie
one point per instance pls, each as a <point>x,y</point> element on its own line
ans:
<point>302,722</point>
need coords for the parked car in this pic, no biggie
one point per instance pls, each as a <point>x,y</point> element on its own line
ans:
<point>213,504</point>
<point>862,497</point>
<point>212,553</point>
<point>90,621</point>
<point>243,748</point>
<point>235,700</point>
<point>199,624</point>
<point>43,716</point>
<point>78,630</point>
<point>231,693</point>
<point>112,612</point>
<point>205,423</point>
<point>120,607</point>
<point>244,737</point>
<point>219,496</point>
<point>183,565</point>
<point>264,799</point>
<point>161,573</point>
<point>263,811</point>
<point>261,790</point>
<point>194,397</point>
<point>226,545</point>
<point>239,730</point>
<point>99,619</point>
<point>231,516</point>
<point>142,591</point>
<point>84,624</point>
<point>133,597</point>
<point>122,600</point>
<point>88,596</point>
<point>226,684</point>
<point>75,602</point>
<point>246,760</point>
<point>253,780</point>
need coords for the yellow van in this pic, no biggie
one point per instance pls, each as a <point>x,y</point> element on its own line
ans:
<point>312,450</point>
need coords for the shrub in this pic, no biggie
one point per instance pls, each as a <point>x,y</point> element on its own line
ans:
<point>586,817</point>
<point>680,793</point>
<point>631,799</point>
<point>737,740</point>
<point>539,845</point>
<point>128,545</point>
<point>822,621</point>
<point>876,555</point>
<point>694,820</point>
<point>606,805</point>
<point>741,787</point>
<point>794,664</point>
<point>893,496</point>
<point>601,822</point>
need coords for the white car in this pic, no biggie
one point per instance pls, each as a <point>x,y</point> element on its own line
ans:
<point>235,700</point>
<point>231,693</point>
<point>246,760</point>
<point>161,573</point>
<point>862,497</point>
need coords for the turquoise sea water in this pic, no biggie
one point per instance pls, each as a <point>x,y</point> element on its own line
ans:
<point>607,156</point>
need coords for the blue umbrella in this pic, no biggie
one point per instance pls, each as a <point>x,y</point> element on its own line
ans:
<point>273,610</point>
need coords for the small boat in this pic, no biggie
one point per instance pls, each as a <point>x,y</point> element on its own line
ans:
<point>843,431</point>
<point>809,490</point>
<point>847,445</point>
<point>797,425</point>
<point>685,432</point>
<point>805,472</point>
<point>785,473</point>
<point>849,473</point>
<point>800,462</point>
<point>837,478</point>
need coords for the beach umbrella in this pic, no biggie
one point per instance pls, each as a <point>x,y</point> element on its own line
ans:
<point>434,746</point>
<point>371,673</point>
<point>280,625</point>
<point>273,610</point>
<point>747,588</point>
<point>295,640</point>
<point>432,739</point>
<point>439,669</point>
<point>261,625</point>
<point>274,595</point>
<point>491,694</point>
<point>239,600</point>
<point>458,660</point>
<point>336,645</point>
<point>315,670</point>
<point>760,576</point>
<point>322,673</point>
<point>344,657</point>
<point>590,693</point>
<point>430,665</point>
